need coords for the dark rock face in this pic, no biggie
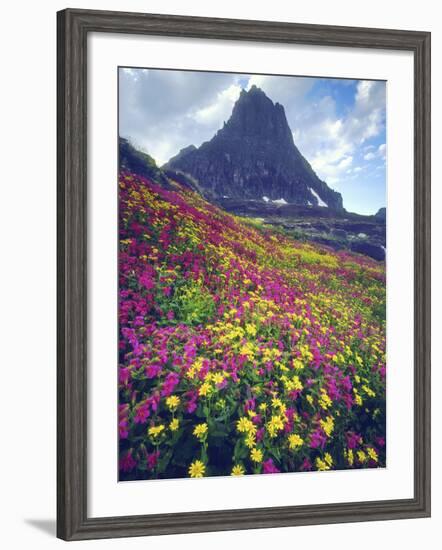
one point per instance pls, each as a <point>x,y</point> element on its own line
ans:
<point>254,156</point>
<point>369,249</point>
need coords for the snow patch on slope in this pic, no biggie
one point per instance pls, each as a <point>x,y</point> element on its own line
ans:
<point>320,201</point>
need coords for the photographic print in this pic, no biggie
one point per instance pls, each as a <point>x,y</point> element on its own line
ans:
<point>251,275</point>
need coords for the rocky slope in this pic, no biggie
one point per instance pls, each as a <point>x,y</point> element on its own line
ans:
<point>336,229</point>
<point>254,157</point>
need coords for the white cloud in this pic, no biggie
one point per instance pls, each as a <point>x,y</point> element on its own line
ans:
<point>286,90</point>
<point>162,111</point>
<point>220,109</point>
<point>329,141</point>
<point>380,152</point>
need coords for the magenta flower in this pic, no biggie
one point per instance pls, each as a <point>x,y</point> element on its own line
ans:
<point>317,439</point>
<point>142,412</point>
<point>268,467</point>
<point>353,440</point>
<point>171,381</point>
<point>127,462</point>
<point>152,459</point>
<point>152,370</point>
<point>124,375</point>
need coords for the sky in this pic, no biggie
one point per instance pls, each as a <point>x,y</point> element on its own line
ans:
<point>339,125</point>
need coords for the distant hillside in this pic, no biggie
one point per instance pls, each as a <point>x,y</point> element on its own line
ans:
<point>137,162</point>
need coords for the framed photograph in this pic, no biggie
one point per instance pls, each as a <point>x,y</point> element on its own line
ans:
<point>243,274</point>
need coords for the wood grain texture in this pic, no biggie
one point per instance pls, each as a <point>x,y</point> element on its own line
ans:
<point>72,29</point>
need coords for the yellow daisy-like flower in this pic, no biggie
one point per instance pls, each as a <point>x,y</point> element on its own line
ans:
<point>275,425</point>
<point>263,407</point>
<point>218,378</point>
<point>368,391</point>
<point>174,425</point>
<point>327,425</point>
<point>205,389</point>
<point>172,402</point>
<point>295,441</point>
<point>200,431</point>
<point>310,399</point>
<point>197,469</point>
<point>372,454</point>
<point>324,464</point>
<point>155,431</point>
<point>324,400</point>
<point>250,440</point>
<point>362,457</point>
<point>245,425</point>
<point>256,455</point>
<point>250,329</point>
<point>237,470</point>
<point>358,399</point>
<point>277,403</point>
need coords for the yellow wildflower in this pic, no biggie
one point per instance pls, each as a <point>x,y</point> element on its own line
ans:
<point>362,457</point>
<point>174,425</point>
<point>218,377</point>
<point>274,425</point>
<point>250,329</point>
<point>172,402</point>
<point>324,400</point>
<point>205,389</point>
<point>277,403</point>
<point>368,391</point>
<point>155,431</point>
<point>324,464</point>
<point>372,454</point>
<point>200,431</point>
<point>237,470</point>
<point>256,455</point>
<point>327,425</point>
<point>197,469</point>
<point>358,399</point>
<point>295,440</point>
<point>250,440</point>
<point>245,425</point>
<point>248,351</point>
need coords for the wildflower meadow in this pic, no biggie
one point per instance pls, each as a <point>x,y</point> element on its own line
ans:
<point>242,350</point>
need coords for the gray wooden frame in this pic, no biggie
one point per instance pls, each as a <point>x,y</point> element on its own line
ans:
<point>73,28</point>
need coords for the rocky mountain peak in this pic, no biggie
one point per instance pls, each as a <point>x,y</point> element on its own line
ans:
<point>253,156</point>
<point>255,116</point>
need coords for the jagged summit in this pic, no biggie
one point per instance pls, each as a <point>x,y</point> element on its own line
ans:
<point>253,156</point>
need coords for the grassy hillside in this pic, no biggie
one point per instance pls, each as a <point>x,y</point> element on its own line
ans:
<point>242,350</point>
